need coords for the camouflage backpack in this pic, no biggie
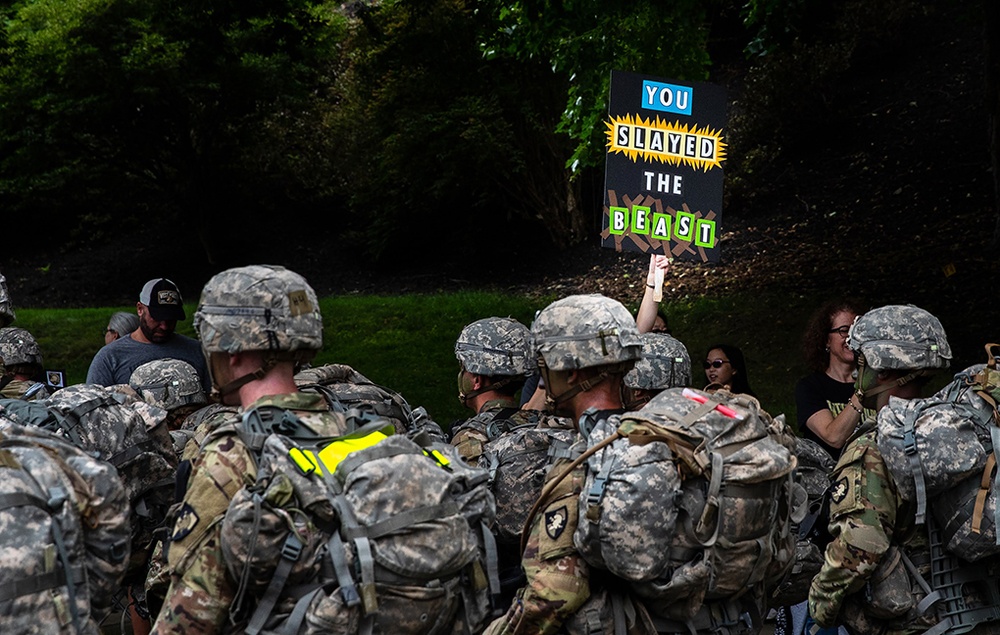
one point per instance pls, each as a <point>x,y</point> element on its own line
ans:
<point>517,459</point>
<point>365,533</point>
<point>64,522</point>
<point>812,472</point>
<point>942,449</point>
<point>345,388</point>
<point>127,433</point>
<point>691,500</point>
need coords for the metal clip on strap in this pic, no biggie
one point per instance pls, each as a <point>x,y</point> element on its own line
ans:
<point>910,448</point>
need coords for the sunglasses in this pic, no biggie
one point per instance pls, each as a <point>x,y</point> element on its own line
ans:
<point>715,363</point>
<point>841,330</point>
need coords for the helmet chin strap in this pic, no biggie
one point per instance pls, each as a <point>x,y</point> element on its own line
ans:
<point>553,402</point>
<point>239,382</point>
<point>633,399</point>
<point>902,381</point>
<point>465,395</point>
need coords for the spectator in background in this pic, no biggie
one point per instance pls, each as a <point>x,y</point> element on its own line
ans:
<point>827,411</point>
<point>725,366</point>
<point>159,308</point>
<point>651,318</point>
<point>120,325</point>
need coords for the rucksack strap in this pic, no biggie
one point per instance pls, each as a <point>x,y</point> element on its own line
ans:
<point>500,423</point>
<point>492,566</point>
<point>51,579</point>
<point>263,421</point>
<point>916,469</point>
<point>290,553</point>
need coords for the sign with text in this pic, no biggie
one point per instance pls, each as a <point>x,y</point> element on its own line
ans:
<point>663,175</point>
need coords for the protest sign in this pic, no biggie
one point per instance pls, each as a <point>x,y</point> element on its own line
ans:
<point>663,175</point>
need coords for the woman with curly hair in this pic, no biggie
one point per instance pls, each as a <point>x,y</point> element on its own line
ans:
<point>827,410</point>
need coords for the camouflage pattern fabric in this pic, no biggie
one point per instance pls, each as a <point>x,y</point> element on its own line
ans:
<point>74,516</point>
<point>812,472</point>
<point>496,347</point>
<point>345,388</point>
<point>259,308</point>
<point>131,435</point>
<point>517,458</point>
<point>665,363</point>
<point>422,532</point>
<point>864,507</point>
<point>7,315</point>
<point>723,479</point>
<point>19,347</point>
<point>471,435</point>
<point>168,384</point>
<point>200,592</point>
<point>949,443</point>
<point>900,337</point>
<point>558,578</point>
<point>583,331</point>
<point>24,389</point>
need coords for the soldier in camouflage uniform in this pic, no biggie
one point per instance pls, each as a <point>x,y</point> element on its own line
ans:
<point>171,384</point>
<point>665,363</point>
<point>22,361</point>
<point>7,315</point>
<point>899,348</point>
<point>495,357</point>
<point>584,345</point>
<point>255,324</point>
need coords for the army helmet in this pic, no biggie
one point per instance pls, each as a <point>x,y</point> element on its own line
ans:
<point>263,308</point>
<point>168,383</point>
<point>900,337</point>
<point>18,347</point>
<point>665,363</point>
<point>583,331</point>
<point>496,347</point>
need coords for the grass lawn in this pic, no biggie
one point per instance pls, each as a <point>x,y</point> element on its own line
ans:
<point>406,342</point>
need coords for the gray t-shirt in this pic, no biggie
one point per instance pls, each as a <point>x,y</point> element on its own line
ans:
<point>114,363</point>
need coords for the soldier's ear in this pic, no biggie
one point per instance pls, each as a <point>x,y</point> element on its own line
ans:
<point>478,381</point>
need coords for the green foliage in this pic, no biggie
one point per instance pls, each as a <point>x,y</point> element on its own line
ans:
<point>789,90</point>
<point>582,41</point>
<point>425,146</point>
<point>407,342</point>
<point>137,105</point>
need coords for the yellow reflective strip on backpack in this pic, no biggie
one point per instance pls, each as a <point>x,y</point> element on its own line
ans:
<point>437,456</point>
<point>337,451</point>
<point>304,459</point>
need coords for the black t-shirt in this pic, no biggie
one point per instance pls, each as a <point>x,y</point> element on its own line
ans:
<point>815,392</point>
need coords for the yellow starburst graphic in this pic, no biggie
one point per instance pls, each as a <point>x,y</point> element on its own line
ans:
<point>668,142</point>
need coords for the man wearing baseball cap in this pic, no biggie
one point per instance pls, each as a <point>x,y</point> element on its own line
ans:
<point>160,306</point>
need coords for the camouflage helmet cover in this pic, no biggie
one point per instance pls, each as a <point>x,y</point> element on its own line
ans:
<point>665,363</point>
<point>18,346</point>
<point>900,337</point>
<point>582,331</point>
<point>496,346</point>
<point>168,383</point>
<point>259,308</point>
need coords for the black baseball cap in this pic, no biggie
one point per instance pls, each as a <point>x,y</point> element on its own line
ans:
<point>163,299</point>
